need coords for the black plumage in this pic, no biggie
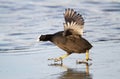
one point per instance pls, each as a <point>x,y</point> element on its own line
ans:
<point>70,43</point>
<point>70,40</point>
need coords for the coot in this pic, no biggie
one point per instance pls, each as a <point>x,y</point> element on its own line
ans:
<point>70,40</point>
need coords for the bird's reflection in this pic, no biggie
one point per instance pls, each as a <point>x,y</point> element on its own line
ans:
<point>72,73</point>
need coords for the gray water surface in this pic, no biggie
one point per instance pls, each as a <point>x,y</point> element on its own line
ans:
<point>22,57</point>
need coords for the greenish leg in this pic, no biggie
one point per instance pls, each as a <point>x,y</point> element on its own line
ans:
<point>87,55</point>
<point>86,58</point>
<point>60,58</point>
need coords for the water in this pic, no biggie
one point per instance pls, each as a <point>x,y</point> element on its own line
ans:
<point>22,21</point>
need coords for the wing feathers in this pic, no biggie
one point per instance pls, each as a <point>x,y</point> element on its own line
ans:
<point>74,21</point>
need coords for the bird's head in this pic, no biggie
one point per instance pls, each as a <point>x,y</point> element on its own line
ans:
<point>42,38</point>
<point>45,37</point>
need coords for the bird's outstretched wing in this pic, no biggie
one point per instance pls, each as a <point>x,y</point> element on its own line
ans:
<point>73,22</point>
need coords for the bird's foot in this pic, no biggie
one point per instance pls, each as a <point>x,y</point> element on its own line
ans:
<point>83,61</point>
<point>56,59</point>
<point>89,59</point>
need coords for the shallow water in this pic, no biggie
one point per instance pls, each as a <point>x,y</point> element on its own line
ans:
<point>22,21</point>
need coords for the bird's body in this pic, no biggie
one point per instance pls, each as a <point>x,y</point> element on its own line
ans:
<point>71,43</point>
<point>70,40</point>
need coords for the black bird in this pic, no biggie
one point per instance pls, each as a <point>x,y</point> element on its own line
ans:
<point>70,40</point>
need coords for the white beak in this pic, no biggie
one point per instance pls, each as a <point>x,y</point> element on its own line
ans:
<point>38,40</point>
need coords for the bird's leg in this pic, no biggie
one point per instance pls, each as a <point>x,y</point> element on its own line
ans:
<point>60,58</point>
<point>87,55</point>
<point>64,56</point>
<point>86,58</point>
